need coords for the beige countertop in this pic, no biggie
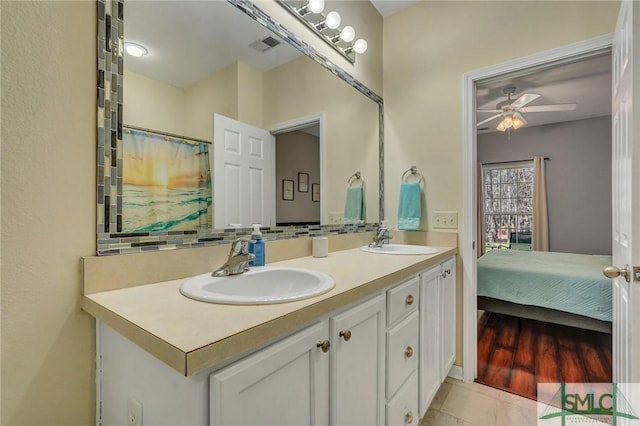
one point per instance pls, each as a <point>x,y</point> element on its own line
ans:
<point>191,336</point>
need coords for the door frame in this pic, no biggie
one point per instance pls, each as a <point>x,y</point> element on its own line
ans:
<point>298,123</point>
<point>525,65</point>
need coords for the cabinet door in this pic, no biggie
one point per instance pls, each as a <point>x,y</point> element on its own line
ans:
<point>430,366</point>
<point>284,384</point>
<point>357,364</point>
<point>448,315</point>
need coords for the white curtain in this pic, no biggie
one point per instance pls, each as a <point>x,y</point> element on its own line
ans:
<point>540,231</point>
<point>481,223</point>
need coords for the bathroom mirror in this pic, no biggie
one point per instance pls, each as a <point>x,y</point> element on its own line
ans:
<point>196,66</point>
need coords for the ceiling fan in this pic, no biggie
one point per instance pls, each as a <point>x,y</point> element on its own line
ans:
<point>511,112</point>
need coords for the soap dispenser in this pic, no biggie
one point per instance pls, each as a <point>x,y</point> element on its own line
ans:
<point>257,247</point>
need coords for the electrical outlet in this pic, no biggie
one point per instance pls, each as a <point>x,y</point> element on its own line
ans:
<point>134,412</point>
<point>335,218</point>
<point>445,220</point>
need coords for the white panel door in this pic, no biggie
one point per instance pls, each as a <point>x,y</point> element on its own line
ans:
<point>243,166</point>
<point>284,384</point>
<point>626,193</point>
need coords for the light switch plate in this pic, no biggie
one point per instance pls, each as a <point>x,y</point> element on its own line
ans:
<point>335,218</point>
<point>445,220</point>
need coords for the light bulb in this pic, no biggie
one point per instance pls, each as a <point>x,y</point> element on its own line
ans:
<point>348,34</point>
<point>333,20</point>
<point>507,122</point>
<point>360,46</point>
<point>517,123</point>
<point>134,49</point>
<point>316,6</point>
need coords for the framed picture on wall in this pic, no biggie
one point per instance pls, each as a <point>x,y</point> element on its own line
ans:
<point>303,182</point>
<point>287,189</point>
<point>315,192</point>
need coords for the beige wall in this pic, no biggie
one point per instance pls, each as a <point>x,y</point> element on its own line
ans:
<point>152,104</point>
<point>301,88</point>
<point>427,49</point>
<point>48,212</point>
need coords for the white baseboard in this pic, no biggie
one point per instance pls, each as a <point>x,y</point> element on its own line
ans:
<point>456,372</point>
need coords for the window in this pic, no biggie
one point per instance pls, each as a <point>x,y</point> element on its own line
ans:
<point>508,201</point>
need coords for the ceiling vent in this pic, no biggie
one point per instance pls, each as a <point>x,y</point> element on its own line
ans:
<point>265,44</point>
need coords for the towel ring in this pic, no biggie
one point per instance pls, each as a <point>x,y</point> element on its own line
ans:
<point>355,178</point>
<point>414,171</point>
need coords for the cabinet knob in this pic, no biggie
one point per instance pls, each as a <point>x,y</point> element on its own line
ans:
<point>408,418</point>
<point>324,345</point>
<point>346,335</point>
<point>409,299</point>
<point>408,352</point>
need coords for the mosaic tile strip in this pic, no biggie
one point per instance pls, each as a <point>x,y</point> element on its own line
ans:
<point>110,239</point>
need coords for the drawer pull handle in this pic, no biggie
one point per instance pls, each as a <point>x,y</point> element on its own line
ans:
<point>408,352</point>
<point>325,345</point>
<point>346,335</point>
<point>409,300</point>
<point>408,418</point>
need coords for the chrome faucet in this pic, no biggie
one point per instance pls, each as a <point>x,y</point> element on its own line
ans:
<point>382,234</point>
<point>238,261</point>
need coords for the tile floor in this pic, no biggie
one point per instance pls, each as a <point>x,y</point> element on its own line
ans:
<point>473,404</point>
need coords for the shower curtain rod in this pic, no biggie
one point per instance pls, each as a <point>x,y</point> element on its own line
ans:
<point>509,162</point>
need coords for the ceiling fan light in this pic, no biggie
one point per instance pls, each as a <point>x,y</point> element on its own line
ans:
<point>500,127</point>
<point>517,123</point>
<point>507,122</point>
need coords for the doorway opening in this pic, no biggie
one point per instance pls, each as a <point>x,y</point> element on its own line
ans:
<point>474,244</point>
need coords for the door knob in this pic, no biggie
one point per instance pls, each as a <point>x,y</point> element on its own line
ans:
<point>613,272</point>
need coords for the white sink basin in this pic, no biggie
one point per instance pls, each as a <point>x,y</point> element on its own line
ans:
<point>261,285</point>
<point>400,249</point>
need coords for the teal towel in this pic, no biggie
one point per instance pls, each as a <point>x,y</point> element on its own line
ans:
<point>355,208</point>
<point>409,208</point>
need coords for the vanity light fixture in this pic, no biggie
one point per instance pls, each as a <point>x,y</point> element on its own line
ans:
<point>135,49</point>
<point>327,27</point>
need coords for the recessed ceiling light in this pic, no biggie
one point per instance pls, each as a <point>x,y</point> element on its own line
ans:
<point>134,49</point>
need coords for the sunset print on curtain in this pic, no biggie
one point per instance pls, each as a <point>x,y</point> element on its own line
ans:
<point>166,183</point>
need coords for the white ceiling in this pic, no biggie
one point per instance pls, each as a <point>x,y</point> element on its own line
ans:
<point>188,41</point>
<point>586,83</point>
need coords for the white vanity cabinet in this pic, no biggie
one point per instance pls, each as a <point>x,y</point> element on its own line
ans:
<point>288,382</point>
<point>284,384</point>
<point>378,361</point>
<point>437,328</point>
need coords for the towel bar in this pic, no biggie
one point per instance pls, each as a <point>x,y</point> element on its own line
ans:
<point>414,171</point>
<point>354,178</point>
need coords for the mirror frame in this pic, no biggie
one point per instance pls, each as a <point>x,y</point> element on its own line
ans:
<point>109,146</point>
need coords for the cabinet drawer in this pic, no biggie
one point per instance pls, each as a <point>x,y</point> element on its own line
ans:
<point>402,352</point>
<point>402,299</point>
<point>402,410</point>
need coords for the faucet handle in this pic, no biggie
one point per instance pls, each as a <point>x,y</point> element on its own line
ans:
<point>239,246</point>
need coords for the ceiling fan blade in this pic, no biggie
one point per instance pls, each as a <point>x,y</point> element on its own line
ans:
<point>545,108</point>
<point>524,99</point>
<point>488,120</point>
<point>489,110</point>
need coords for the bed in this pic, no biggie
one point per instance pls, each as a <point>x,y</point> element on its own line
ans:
<point>563,288</point>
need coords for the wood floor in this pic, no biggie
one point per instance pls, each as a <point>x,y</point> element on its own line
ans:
<point>514,354</point>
